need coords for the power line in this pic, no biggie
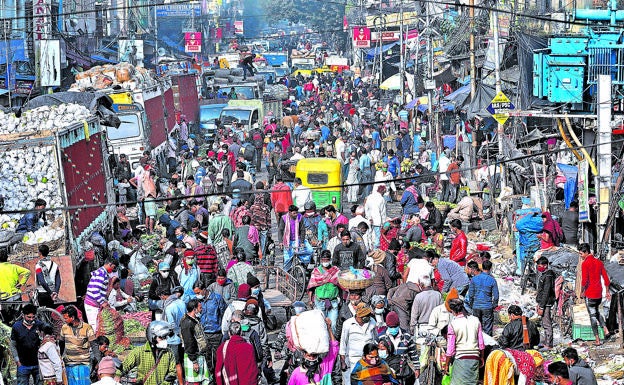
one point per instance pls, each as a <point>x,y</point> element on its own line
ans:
<point>342,185</point>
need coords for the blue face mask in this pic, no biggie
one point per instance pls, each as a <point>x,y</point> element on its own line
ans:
<point>393,331</point>
<point>180,237</point>
<point>255,291</point>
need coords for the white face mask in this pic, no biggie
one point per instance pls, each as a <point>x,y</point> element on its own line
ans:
<point>199,296</point>
<point>164,274</point>
<point>162,344</point>
<point>383,354</point>
<point>326,264</point>
<point>379,311</point>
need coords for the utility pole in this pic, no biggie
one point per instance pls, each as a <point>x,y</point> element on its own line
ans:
<point>604,152</point>
<point>501,130</point>
<point>473,66</point>
<point>156,37</point>
<point>402,57</point>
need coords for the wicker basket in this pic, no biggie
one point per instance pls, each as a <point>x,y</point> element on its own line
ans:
<point>53,245</point>
<point>355,284</point>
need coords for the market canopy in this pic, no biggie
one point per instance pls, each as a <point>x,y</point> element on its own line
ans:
<point>392,83</point>
<point>375,51</point>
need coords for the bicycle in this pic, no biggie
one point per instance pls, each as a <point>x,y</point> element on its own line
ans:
<point>565,305</point>
<point>431,372</point>
<point>13,310</point>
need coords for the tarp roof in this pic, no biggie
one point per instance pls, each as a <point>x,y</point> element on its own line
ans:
<point>482,100</point>
<point>375,51</point>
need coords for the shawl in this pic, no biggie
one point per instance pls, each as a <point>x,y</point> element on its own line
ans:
<point>286,218</point>
<point>412,190</point>
<point>499,369</point>
<point>552,227</point>
<point>365,374</point>
<point>320,276</point>
<point>525,363</point>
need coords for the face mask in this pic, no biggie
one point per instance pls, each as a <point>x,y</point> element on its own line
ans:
<point>109,269</point>
<point>162,344</point>
<point>190,261</point>
<point>379,311</point>
<point>164,274</point>
<point>384,169</point>
<point>326,264</point>
<point>541,268</point>
<point>366,319</point>
<point>29,323</point>
<point>383,354</point>
<point>354,302</point>
<point>199,296</point>
<point>311,365</point>
<point>393,331</point>
<point>245,328</point>
<point>180,237</point>
<point>221,282</point>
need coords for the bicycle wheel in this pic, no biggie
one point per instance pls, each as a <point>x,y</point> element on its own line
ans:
<point>299,275</point>
<point>565,321</point>
<point>52,317</point>
<point>428,376</point>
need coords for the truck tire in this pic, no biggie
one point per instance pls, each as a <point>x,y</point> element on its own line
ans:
<point>222,73</point>
<point>236,72</point>
<point>258,78</point>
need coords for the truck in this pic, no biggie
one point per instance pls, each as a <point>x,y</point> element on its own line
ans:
<point>185,97</point>
<point>147,117</point>
<point>69,168</point>
<point>276,59</point>
<point>303,65</point>
<point>209,112</point>
<point>251,113</point>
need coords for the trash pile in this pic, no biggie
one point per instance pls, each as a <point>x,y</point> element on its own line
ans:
<point>124,75</point>
<point>43,118</point>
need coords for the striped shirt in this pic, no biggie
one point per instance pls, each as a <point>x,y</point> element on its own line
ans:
<point>96,290</point>
<point>77,343</point>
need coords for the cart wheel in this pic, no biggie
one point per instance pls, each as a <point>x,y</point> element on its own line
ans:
<point>299,275</point>
<point>52,317</point>
<point>565,321</point>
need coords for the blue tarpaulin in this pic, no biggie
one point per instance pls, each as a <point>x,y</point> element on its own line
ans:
<point>375,51</point>
<point>17,52</point>
<point>570,186</point>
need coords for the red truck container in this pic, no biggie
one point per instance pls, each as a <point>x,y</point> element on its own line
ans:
<point>185,96</point>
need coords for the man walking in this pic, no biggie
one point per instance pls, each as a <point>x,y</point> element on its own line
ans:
<point>482,295</point>
<point>464,344</point>
<point>592,271</point>
<point>95,299</point>
<point>79,340</point>
<point>25,345</point>
<point>546,299</point>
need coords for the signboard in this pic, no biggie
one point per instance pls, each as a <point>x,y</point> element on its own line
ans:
<point>394,19</point>
<point>42,22</point>
<point>361,37</point>
<point>131,51</point>
<point>49,52</point>
<point>499,108</point>
<point>583,191</point>
<point>239,27</point>
<point>385,36</point>
<point>192,42</point>
<point>178,10</point>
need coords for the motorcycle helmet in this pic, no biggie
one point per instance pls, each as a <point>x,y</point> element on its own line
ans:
<point>160,329</point>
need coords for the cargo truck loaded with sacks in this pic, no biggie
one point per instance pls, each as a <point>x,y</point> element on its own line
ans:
<point>144,104</point>
<point>57,153</point>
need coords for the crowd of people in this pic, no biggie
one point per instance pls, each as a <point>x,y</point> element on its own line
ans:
<point>210,320</point>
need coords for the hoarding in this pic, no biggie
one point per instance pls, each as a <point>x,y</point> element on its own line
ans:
<point>361,37</point>
<point>49,52</point>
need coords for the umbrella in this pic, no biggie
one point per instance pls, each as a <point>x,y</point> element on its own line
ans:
<point>392,83</point>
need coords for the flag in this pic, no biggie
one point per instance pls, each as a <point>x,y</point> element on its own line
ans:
<point>345,23</point>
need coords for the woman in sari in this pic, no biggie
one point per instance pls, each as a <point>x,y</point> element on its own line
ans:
<point>389,231</point>
<point>371,369</point>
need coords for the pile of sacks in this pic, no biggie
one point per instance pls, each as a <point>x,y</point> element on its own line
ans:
<point>124,75</point>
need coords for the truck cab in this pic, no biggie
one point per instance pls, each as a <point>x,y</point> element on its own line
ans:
<point>208,114</point>
<point>129,137</point>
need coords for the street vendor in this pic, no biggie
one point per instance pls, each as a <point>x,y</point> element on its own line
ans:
<point>33,220</point>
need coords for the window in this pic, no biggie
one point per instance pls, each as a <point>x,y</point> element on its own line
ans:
<point>128,128</point>
<point>317,178</point>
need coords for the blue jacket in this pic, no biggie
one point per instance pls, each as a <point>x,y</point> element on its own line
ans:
<point>409,203</point>
<point>213,308</point>
<point>393,165</point>
<point>29,222</point>
<point>483,292</point>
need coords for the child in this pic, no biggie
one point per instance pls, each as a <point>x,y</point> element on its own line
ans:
<point>122,187</point>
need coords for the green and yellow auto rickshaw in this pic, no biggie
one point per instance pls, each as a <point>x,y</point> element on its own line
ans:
<point>324,177</point>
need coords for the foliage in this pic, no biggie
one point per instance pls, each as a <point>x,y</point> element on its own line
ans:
<point>318,15</point>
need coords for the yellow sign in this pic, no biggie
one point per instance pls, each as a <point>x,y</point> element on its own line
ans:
<point>500,98</point>
<point>501,118</point>
<point>393,19</point>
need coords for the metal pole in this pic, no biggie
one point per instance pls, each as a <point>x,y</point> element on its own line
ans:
<point>430,77</point>
<point>473,67</point>
<point>501,131</point>
<point>402,57</point>
<point>156,36</point>
<point>604,151</point>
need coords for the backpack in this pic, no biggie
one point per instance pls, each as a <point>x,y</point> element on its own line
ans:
<point>257,139</point>
<point>311,229</point>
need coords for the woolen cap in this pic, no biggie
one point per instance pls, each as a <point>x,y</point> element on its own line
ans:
<point>106,366</point>
<point>392,319</point>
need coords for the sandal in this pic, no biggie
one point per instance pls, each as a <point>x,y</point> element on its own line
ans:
<point>597,343</point>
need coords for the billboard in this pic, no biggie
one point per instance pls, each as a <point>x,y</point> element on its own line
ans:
<point>361,37</point>
<point>131,51</point>
<point>42,21</point>
<point>49,52</point>
<point>192,42</point>
<point>239,27</point>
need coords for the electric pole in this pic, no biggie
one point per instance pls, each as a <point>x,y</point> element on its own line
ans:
<point>501,130</point>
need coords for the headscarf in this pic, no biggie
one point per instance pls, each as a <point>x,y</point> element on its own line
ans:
<point>552,227</point>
